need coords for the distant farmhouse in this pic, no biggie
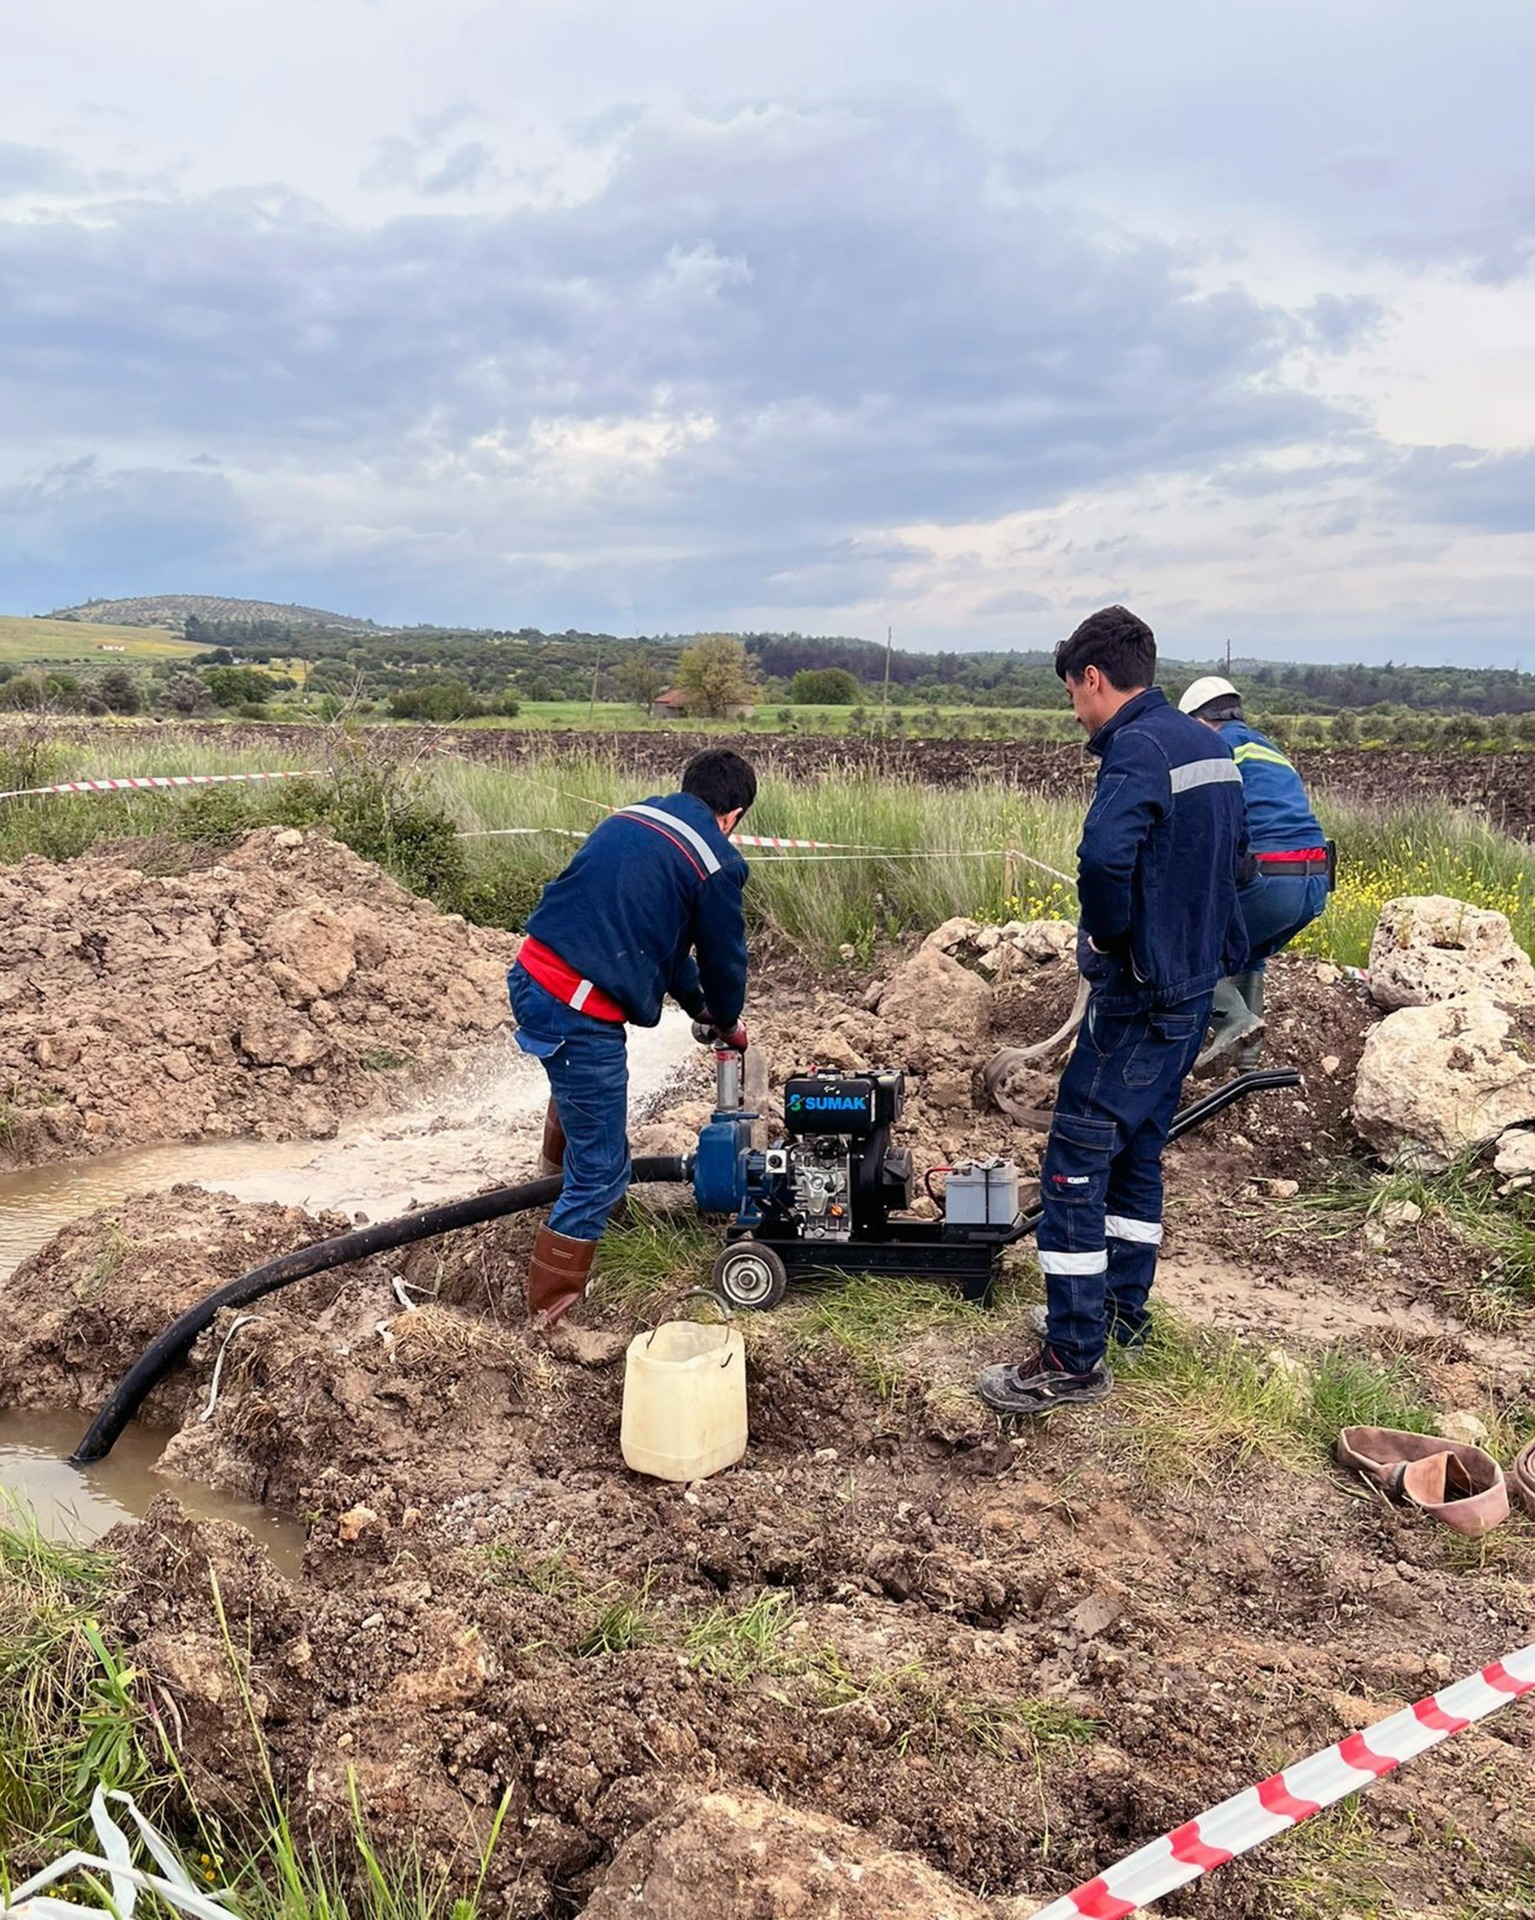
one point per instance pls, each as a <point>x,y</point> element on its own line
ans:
<point>674,704</point>
<point>110,646</point>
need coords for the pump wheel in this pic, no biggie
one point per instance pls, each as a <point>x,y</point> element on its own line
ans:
<point>750,1274</point>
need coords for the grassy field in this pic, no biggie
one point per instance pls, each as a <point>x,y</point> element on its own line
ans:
<point>25,642</point>
<point>907,856</point>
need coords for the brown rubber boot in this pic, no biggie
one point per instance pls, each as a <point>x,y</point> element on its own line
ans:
<point>551,1153</point>
<point>556,1276</point>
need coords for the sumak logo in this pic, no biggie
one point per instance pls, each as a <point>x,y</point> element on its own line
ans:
<point>835,1103</point>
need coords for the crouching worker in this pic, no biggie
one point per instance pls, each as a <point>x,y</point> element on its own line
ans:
<point>1291,878</point>
<point>650,906</point>
<point>1157,871</point>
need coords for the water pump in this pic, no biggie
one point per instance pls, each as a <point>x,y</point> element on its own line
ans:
<point>833,1195</point>
<point>836,1192</point>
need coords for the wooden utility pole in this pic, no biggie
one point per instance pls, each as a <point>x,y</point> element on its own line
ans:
<point>591,705</point>
<point>885,705</point>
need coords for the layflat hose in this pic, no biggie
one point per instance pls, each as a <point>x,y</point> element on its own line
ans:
<point>173,1345</point>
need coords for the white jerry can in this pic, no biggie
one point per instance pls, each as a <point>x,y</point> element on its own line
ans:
<point>685,1398</point>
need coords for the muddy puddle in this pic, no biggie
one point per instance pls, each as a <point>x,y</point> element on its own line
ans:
<point>479,1129</point>
<point>79,1504</point>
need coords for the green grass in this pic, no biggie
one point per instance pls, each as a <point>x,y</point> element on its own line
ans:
<point>1386,852</point>
<point>1467,1198</point>
<point>873,1321</point>
<point>1335,1864</point>
<point>69,1715</point>
<point>1193,1402</point>
<point>936,852</point>
<point>24,641</point>
<point>647,1259</point>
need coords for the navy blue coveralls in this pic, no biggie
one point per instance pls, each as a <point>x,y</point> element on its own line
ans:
<point>1163,850</point>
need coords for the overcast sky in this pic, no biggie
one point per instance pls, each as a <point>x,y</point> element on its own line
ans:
<point>660,315</point>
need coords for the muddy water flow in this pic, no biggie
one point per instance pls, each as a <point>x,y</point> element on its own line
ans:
<point>477,1130</point>
<point>79,1504</point>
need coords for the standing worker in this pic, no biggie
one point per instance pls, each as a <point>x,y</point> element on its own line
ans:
<point>1293,873</point>
<point>1162,852</point>
<point>650,906</point>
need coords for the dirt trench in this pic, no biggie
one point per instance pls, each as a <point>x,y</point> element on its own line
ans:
<point>1015,1654</point>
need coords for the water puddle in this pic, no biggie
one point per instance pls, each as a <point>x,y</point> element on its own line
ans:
<point>78,1504</point>
<point>479,1129</point>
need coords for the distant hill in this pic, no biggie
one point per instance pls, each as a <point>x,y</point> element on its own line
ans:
<point>173,609</point>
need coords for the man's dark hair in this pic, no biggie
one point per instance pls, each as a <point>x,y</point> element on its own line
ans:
<point>1225,706</point>
<point>1121,647</point>
<point>721,779</point>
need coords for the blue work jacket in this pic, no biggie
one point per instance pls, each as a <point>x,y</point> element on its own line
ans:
<point>1279,816</point>
<point>650,906</point>
<point>1164,848</point>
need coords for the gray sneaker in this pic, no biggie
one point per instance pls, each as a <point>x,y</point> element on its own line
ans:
<point>1040,1386</point>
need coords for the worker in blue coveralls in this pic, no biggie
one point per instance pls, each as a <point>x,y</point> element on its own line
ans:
<point>1292,877</point>
<point>1164,848</point>
<point>650,906</point>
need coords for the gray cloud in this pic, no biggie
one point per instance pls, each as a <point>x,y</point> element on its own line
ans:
<point>1465,487</point>
<point>767,334</point>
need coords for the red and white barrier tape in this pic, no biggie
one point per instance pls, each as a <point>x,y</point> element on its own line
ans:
<point>1285,1799</point>
<point>139,782</point>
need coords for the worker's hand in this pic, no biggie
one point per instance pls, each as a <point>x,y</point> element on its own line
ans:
<point>707,1034</point>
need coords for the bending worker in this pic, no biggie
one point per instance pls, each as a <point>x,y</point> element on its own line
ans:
<point>650,906</point>
<point>1162,849</point>
<point>1292,877</point>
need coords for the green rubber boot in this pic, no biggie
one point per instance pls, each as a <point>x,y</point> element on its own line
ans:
<point>1231,1025</point>
<point>1249,1049</point>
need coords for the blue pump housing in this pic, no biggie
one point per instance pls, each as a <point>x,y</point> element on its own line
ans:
<point>719,1166</point>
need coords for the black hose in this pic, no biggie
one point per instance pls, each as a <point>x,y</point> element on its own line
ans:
<point>173,1345</point>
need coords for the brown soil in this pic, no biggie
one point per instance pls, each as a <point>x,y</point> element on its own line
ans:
<point>269,995</point>
<point>472,1532</point>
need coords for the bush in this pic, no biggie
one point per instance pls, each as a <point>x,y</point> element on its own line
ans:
<point>824,687</point>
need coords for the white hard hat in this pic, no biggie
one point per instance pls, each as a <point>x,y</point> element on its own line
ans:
<point>1202,692</point>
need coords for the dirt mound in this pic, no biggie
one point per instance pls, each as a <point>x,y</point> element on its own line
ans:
<point>77,1314</point>
<point>271,994</point>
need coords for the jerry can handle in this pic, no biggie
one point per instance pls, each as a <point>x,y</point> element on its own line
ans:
<point>714,1299</point>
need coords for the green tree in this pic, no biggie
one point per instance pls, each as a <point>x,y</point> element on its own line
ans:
<point>714,674</point>
<point>117,688</point>
<point>1345,728</point>
<point>824,687</point>
<point>185,695</point>
<point>640,679</point>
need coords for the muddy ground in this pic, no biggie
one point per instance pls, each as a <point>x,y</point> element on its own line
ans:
<point>1016,1653</point>
<point>267,990</point>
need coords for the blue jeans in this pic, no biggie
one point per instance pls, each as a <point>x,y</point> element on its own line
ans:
<point>1275,908</point>
<point>587,1062</point>
<point>1101,1180</point>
